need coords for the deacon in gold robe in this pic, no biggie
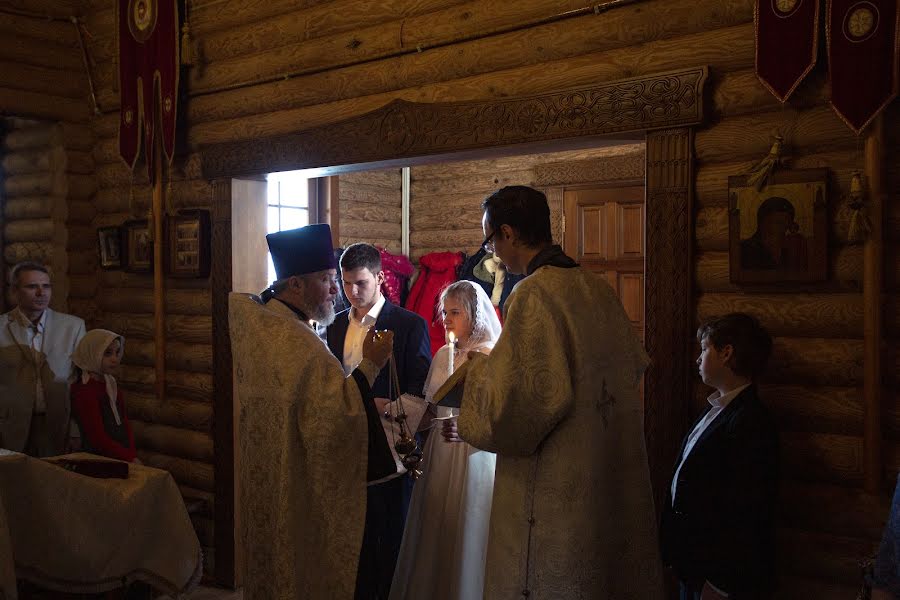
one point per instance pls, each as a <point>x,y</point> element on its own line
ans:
<point>557,400</point>
<point>310,438</point>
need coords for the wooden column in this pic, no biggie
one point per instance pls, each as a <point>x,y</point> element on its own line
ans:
<point>668,309</point>
<point>159,282</point>
<point>225,460</point>
<point>873,302</point>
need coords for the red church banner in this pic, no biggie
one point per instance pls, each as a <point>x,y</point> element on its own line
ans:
<point>787,34</point>
<point>148,77</point>
<point>862,58</point>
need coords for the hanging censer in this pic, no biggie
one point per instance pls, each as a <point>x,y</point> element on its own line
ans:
<point>405,444</point>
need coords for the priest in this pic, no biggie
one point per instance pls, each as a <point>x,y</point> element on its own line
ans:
<point>310,437</point>
<point>557,401</point>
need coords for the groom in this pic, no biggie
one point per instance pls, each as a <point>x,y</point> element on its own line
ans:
<point>387,500</point>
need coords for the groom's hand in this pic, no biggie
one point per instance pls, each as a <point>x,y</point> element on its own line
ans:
<point>450,431</point>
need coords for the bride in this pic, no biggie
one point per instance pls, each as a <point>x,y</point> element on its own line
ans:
<point>445,542</point>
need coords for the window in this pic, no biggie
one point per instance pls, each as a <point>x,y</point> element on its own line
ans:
<point>288,204</point>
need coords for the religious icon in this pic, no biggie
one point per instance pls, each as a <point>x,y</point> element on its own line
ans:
<point>109,239</point>
<point>778,233</point>
<point>137,247</point>
<point>188,244</point>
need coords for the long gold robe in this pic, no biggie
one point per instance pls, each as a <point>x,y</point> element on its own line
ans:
<point>303,440</point>
<point>558,401</point>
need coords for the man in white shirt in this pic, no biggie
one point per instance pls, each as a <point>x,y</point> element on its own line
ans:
<point>387,501</point>
<point>36,345</point>
<point>718,524</point>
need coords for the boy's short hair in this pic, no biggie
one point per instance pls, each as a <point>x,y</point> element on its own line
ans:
<point>751,342</point>
<point>22,267</point>
<point>361,255</point>
<point>524,209</point>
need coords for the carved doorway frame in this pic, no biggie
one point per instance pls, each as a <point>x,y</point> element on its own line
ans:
<point>664,107</point>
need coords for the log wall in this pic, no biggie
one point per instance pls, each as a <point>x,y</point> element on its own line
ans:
<point>445,198</point>
<point>369,208</point>
<point>264,68</point>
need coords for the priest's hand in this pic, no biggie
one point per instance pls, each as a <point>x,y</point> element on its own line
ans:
<point>377,346</point>
<point>450,431</point>
<point>382,405</point>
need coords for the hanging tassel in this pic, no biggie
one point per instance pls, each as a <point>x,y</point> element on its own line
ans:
<point>187,57</point>
<point>860,224</point>
<point>761,173</point>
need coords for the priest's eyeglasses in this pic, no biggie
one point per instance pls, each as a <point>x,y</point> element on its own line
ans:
<point>488,243</point>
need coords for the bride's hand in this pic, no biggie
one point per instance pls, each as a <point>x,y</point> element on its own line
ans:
<point>450,431</point>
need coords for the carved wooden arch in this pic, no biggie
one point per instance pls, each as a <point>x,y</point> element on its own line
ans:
<point>665,105</point>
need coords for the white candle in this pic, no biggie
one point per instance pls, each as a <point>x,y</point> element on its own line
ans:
<point>452,338</point>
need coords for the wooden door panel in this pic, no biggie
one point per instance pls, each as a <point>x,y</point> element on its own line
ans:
<point>593,232</point>
<point>631,231</point>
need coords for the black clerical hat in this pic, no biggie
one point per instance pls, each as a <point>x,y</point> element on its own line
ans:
<point>300,251</point>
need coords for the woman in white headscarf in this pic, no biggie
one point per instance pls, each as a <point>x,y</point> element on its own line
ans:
<point>97,403</point>
<point>445,541</point>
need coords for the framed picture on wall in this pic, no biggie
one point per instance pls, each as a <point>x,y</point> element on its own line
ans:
<point>110,243</point>
<point>187,235</point>
<point>137,246</point>
<point>779,233</point>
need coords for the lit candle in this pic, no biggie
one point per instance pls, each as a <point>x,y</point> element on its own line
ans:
<point>452,337</point>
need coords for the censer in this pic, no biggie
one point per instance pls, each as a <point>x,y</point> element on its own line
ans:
<point>405,444</point>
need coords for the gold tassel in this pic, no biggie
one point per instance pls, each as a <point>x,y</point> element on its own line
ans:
<point>860,224</point>
<point>761,173</point>
<point>187,57</point>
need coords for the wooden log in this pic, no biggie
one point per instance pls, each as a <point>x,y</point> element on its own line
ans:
<point>336,17</point>
<point>832,509</point>
<point>42,105</point>
<point>81,237</point>
<point>388,179</point>
<point>183,443</point>
<point>368,211</point>
<point>197,387</point>
<point>711,184</point>
<point>30,161</point>
<point>830,362</point>
<point>24,50</point>
<point>477,183</point>
<point>85,308</point>
<point>82,286</point>
<point>36,251</point>
<point>176,412</point>
<point>37,135</point>
<point>568,73</point>
<point>33,184</point>
<point>43,80</point>
<point>80,187</point>
<point>189,472</point>
<point>619,168</point>
<point>123,279</point>
<point>392,245</point>
<point>817,128</point>
<point>799,315</point>
<point>196,358</point>
<point>84,262</point>
<point>134,301</point>
<point>354,228</point>
<point>30,207</point>
<point>193,193</point>
<point>368,193</point>
<point>49,8</point>
<point>711,274</point>
<point>28,230</point>
<point>231,13</point>
<point>80,212</point>
<point>741,93</point>
<point>812,408</point>
<point>821,457</point>
<point>194,329</point>
<point>76,136</point>
<point>567,38</point>
<point>79,162</point>
<point>40,30</point>
<point>822,556</point>
<point>462,238</point>
<point>451,213</point>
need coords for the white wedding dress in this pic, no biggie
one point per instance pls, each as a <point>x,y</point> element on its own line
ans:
<point>445,541</point>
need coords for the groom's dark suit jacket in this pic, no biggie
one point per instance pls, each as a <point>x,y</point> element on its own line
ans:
<point>722,526</point>
<point>412,347</point>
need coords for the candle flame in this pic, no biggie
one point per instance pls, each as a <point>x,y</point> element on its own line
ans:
<point>452,337</point>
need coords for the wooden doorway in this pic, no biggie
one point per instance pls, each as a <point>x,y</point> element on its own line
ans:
<point>604,231</point>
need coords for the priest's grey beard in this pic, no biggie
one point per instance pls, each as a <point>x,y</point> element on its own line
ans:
<point>323,314</point>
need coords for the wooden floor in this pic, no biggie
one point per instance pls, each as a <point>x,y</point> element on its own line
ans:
<point>209,593</point>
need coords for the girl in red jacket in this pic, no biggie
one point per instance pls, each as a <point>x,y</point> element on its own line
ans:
<point>97,403</point>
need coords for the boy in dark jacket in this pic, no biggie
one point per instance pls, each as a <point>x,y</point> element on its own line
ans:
<point>718,523</point>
